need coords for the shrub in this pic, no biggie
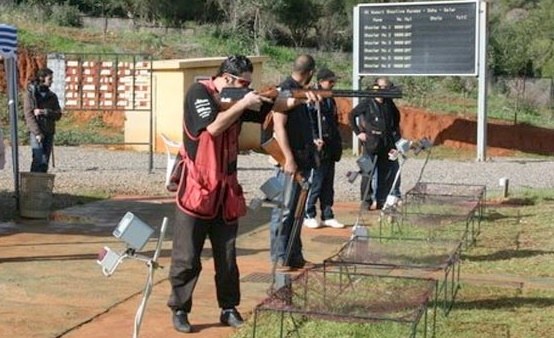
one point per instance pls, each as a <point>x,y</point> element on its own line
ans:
<point>65,15</point>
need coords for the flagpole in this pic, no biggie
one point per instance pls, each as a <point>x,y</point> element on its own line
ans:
<point>8,48</point>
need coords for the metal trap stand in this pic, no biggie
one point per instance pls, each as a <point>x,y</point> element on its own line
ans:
<point>347,297</point>
<point>438,259</point>
<point>472,196</point>
<point>359,228</point>
<point>152,266</point>
<point>109,260</point>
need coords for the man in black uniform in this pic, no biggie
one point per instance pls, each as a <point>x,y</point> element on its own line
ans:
<point>324,175</point>
<point>209,198</point>
<point>378,129</point>
<point>293,132</point>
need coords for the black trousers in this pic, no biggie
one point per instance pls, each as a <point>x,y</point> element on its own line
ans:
<point>323,189</point>
<point>385,172</point>
<point>189,235</point>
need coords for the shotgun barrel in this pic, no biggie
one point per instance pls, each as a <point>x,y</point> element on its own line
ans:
<point>234,94</point>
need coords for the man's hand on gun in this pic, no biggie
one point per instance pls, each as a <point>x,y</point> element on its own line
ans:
<point>319,143</point>
<point>253,101</point>
<point>312,97</point>
<point>290,167</point>
<point>362,136</point>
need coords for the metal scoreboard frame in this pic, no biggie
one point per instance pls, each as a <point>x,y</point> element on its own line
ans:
<point>410,38</point>
<point>382,42</point>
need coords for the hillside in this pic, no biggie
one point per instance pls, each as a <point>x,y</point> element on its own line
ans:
<point>449,128</point>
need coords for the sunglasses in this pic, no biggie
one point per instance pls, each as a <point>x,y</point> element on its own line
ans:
<point>241,81</point>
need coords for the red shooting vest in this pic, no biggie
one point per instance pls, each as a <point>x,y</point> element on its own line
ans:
<point>207,187</point>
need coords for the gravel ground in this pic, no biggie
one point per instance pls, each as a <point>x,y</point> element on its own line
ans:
<point>85,171</point>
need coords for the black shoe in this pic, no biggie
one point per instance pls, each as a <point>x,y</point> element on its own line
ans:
<point>181,321</point>
<point>303,264</point>
<point>284,268</point>
<point>231,317</point>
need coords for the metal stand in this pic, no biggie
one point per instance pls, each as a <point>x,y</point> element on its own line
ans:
<point>152,266</point>
<point>110,260</point>
<point>343,296</point>
<point>359,228</point>
<point>393,253</point>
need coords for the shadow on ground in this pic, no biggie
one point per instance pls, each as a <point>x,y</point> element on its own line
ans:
<point>505,303</point>
<point>97,217</point>
<point>8,211</point>
<point>506,255</point>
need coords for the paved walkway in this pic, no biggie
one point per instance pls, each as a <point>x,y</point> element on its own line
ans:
<point>51,286</point>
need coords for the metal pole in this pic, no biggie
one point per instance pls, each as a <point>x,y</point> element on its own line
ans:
<point>482,100</point>
<point>151,139</point>
<point>152,266</point>
<point>355,71</point>
<point>11,72</point>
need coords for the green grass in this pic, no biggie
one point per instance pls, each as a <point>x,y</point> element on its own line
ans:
<point>494,312</point>
<point>320,328</point>
<point>522,242</point>
<point>68,132</point>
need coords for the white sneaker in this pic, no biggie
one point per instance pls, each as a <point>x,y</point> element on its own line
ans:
<point>311,223</point>
<point>399,202</point>
<point>333,223</point>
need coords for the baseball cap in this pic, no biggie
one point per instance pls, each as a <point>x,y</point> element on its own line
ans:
<point>326,74</point>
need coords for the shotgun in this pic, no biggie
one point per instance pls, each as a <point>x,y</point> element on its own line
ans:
<point>272,148</point>
<point>229,95</point>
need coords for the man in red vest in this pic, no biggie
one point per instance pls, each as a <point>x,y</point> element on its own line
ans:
<point>209,198</point>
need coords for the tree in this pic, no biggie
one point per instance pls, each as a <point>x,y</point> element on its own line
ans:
<point>511,55</point>
<point>542,43</point>
<point>332,22</point>
<point>106,9</point>
<point>299,16</point>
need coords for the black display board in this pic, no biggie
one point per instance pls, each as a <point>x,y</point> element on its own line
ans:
<point>424,38</point>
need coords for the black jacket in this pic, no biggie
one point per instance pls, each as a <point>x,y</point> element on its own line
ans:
<point>332,149</point>
<point>380,122</point>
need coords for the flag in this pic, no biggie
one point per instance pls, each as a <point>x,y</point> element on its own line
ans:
<point>8,40</point>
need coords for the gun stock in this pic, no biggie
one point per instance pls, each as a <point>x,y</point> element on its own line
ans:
<point>272,148</point>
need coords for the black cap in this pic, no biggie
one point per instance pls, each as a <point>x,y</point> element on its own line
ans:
<point>326,74</point>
